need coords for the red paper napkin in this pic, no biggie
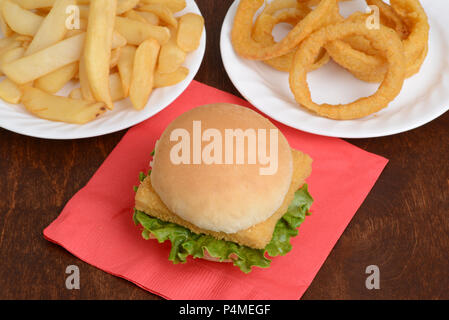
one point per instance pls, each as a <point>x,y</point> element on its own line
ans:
<point>96,225</point>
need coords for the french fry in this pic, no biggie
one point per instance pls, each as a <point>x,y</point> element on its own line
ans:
<point>38,64</point>
<point>23,38</point>
<point>6,30</point>
<point>97,50</point>
<point>52,29</point>
<point>171,57</point>
<point>170,79</point>
<point>118,40</point>
<point>76,94</point>
<point>115,86</point>
<point>137,32</point>
<point>173,5</point>
<point>162,12</point>
<point>125,67</point>
<point>190,30</point>
<point>125,5</point>
<point>9,91</point>
<point>56,80</point>
<point>20,20</point>
<point>8,46</point>
<point>42,11</point>
<point>149,17</point>
<point>133,15</point>
<point>56,108</point>
<point>5,42</point>
<point>84,11</point>
<point>73,32</point>
<point>83,23</point>
<point>84,81</point>
<point>11,55</point>
<point>25,44</point>
<point>35,4</point>
<point>115,56</point>
<point>143,73</point>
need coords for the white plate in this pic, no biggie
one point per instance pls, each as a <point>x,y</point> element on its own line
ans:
<point>16,118</point>
<point>423,98</point>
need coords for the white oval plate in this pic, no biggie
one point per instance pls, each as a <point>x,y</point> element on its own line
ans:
<point>16,118</point>
<point>423,98</point>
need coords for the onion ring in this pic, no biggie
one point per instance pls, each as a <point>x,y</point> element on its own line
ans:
<point>312,3</point>
<point>385,40</point>
<point>389,18</point>
<point>357,55</point>
<point>247,47</point>
<point>372,68</point>
<point>277,5</point>
<point>262,33</point>
<point>415,18</point>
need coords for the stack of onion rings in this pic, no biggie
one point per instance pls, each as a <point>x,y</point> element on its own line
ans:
<point>389,53</point>
<point>282,11</point>
<point>371,68</point>
<point>247,47</point>
<point>385,40</point>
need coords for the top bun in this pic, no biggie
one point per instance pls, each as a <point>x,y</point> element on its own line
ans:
<point>221,197</point>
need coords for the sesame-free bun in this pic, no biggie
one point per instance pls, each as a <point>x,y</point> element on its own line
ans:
<point>220,197</point>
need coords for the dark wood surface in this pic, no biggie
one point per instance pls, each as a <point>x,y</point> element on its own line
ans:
<point>403,226</point>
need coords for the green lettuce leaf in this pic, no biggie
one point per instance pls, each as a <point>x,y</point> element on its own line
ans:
<point>185,243</point>
<point>286,227</point>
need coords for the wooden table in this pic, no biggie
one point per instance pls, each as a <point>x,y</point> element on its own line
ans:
<point>402,227</point>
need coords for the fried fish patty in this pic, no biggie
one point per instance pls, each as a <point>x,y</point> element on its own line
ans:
<point>257,236</point>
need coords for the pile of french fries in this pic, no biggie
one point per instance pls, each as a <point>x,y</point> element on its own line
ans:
<point>114,48</point>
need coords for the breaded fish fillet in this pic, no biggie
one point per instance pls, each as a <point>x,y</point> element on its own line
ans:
<point>257,236</point>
